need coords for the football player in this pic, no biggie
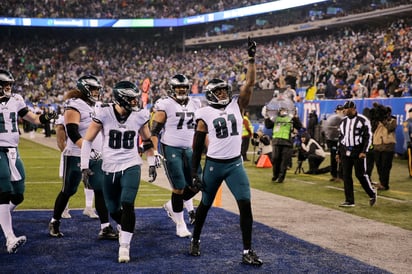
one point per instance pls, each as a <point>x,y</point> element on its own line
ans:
<point>173,121</point>
<point>79,105</point>
<point>121,124</point>
<point>222,122</point>
<point>61,139</point>
<point>12,174</point>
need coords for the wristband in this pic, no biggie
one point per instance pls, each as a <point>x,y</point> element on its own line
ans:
<point>251,60</point>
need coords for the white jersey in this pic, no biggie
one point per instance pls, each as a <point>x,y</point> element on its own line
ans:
<point>224,129</point>
<point>179,127</point>
<point>59,120</point>
<point>86,112</point>
<point>9,130</point>
<point>120,139</point>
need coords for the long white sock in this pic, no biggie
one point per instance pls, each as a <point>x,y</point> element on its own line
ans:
<point>5,221</point>
<point>126,238</point>
<point>188,204</point>
<point>179,217</point>
<point>89,196</point>
<point>12,206</point>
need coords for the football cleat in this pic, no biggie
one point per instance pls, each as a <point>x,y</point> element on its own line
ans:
<point>251,258</point>
<point>54,229</point>
<point>66,214</point>
<point>88,211</point>
<point>108,233</point>
<point>181,230</point>
<point>169,210</point>
<point>192,217</point>
<point>124,251</point>
<point>14,244</point>
<point>194,249</point>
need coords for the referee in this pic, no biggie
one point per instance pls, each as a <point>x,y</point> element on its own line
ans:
<point>355,138</point>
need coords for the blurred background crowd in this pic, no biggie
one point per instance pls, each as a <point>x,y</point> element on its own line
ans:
<point>354,61</point>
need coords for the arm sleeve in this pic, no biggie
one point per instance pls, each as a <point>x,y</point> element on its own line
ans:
<point>73,132</point>
<point>198,145</point>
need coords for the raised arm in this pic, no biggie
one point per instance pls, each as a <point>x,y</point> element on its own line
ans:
<point>247,89</point>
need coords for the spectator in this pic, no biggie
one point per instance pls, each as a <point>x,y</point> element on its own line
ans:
<point>393,85</point>
<point>384,141</point>
<point>290,93</point>
<point>407,133</point>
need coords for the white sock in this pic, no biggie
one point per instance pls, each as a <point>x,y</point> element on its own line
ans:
<point>89,196</point>
<point>102,226</point>
<point>5,221</point>
<point>12,206</point>
<point>188,204</point>
<point>126,238</point>
<point>179,217</point>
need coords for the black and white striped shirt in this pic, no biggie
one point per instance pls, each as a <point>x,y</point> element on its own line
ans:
<point>355,133</point>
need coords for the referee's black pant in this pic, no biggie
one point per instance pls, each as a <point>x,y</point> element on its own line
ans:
<point>348,163</point>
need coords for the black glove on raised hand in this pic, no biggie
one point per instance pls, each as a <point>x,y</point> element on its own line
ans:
<point>86,173</point>
<point>152,174</point>
<point>46,117</point>
<point>251,48</point>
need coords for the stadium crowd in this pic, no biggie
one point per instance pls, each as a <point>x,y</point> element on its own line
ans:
<point>167,9</point>
<point>350,63</point>
<point>118,9</point>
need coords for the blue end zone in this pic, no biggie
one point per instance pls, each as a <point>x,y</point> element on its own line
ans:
<point>156,249</point>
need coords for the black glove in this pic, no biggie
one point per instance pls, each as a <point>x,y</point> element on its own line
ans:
<point>197,184</point>
<point>46,117</point>
<point>251,48</point>
<point>152,174</point>
<point>86,173</point>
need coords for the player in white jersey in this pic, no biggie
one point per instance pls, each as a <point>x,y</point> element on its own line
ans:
<point>222,122</point>
<point>79,106</point>
<point>173,120</point>
<point>121,123</point>
<point>12,173</point>
<point>61,139</point>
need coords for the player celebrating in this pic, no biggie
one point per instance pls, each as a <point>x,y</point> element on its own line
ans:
<point>121,123</point>
<point>12,174</point>
<point>79,106</point>
<point>174,115</point>
<point>222,121</point>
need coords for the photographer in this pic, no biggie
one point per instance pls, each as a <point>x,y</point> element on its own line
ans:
<point>262,141</point>
<point>384,141</point>
<point>311,150</point>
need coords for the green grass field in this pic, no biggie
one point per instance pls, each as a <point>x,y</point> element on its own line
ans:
<point>393,206</point>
